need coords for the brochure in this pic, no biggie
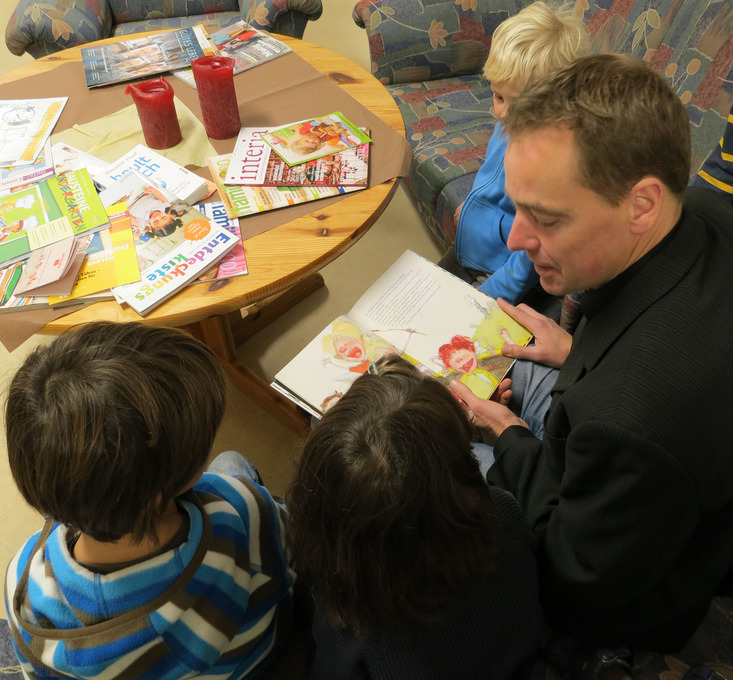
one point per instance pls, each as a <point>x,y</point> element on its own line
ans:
<point>110,258</point>
<point>25,126</point>
<point>314,138</point>
<point>50,265</point>
<point>13,176</point>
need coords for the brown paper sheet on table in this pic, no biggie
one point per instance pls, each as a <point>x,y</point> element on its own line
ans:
<point>273,94</point>
<point>278,92</point>
<point>112,136</point>
<point>17,327</point>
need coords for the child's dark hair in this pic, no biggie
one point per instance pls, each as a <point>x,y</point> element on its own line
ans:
<point>390,517</point>
<point>110,422</point>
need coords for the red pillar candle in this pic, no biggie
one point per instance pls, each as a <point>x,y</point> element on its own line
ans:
<point>215,84</point>
<point>154,101</point>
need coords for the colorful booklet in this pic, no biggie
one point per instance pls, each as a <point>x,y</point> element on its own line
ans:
<point>254,164</point>
<point>110,259</point>
<point>144,56</point>
<point>246,45</point>
<point>10,302</point>
<point>25,126</point>
<point>51,270</point>
<point>59,207</point>
<point>415,309</point>
<point>185,185</point>
<point>174,242</point>
<point>314,138</point>
<point>240,201</point>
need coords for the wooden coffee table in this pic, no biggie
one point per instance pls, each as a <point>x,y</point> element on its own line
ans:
<point>284,262</point>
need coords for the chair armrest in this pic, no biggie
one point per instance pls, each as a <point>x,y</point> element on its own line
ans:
<point>411,42</point>
<point>287,17</point>
<point>41,28</point>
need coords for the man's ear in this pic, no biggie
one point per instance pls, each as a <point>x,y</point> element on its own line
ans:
<point>645,204</point>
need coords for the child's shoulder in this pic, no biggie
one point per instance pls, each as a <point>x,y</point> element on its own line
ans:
<point>239,492</point>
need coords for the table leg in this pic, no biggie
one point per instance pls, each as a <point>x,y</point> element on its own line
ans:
<point>225,332</point>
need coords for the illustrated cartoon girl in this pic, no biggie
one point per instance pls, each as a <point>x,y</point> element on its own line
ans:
<point>356,348</point>
<point>460,356</point>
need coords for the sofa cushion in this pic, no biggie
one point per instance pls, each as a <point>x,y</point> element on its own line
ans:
<point>414,40</point>
<point>142,10</point>
<point>448,125</point>
<point>212,22</point>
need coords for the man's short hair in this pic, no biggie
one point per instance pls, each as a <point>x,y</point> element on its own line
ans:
<point>110,422</point>
<point>627,121</point>
<point>390,517</point>
<point>535,42</point>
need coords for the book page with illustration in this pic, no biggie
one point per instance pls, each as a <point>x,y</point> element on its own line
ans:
<point>438,322</point>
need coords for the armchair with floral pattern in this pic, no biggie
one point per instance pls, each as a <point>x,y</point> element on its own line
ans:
<point>430,54</point>
<point>41,27</point>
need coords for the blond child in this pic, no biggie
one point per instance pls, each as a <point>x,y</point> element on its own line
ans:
<point>527,46</point>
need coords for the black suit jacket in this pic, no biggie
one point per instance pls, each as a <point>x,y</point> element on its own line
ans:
<point>631,489</point>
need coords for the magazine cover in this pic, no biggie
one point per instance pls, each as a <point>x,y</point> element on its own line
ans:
<point>429,316</point>
<point>167,174</point>
<point>41,214</point>
<point>234,263</point>
<point>254,164</point>
<point>144,56</point>
<point>174,242</point>
<point>240,201</point>
<point>314,138</point>
<point>246,45</point>
<point>76,197</point>
<point>25,126</point>
<point>26,224</point>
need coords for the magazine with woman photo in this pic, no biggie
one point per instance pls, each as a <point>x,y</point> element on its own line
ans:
<point>313,138</point>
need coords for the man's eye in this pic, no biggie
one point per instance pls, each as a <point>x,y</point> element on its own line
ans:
<point>544,224</point>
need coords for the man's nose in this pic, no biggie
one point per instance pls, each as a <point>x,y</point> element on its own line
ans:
<point>522,234</point>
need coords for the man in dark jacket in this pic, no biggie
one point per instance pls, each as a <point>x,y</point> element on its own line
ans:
<point>630,489</point>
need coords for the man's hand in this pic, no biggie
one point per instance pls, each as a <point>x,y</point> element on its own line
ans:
<point>492,416</point>
<point>503,393</point>
<point>551,343</point>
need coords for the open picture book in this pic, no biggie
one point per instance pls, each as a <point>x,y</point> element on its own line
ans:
<point>441,324</point>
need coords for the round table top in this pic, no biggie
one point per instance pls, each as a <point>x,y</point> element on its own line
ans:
<point>279,257</point>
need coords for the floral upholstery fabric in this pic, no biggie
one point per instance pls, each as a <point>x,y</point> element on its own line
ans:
<point>42,27</point>
<point>429,54</point>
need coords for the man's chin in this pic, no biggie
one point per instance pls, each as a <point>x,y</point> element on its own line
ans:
<point>551,282</point>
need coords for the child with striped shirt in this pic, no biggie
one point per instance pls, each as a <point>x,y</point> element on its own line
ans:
<point>145,567</point>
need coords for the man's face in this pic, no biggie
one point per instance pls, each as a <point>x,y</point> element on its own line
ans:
<point>575,239</point>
